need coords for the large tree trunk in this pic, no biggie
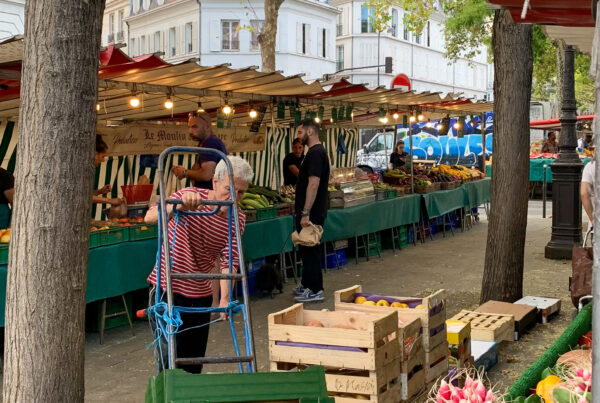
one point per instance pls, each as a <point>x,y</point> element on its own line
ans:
<point>268,35</point>
<point>503,272</point>
<point>45,298</point>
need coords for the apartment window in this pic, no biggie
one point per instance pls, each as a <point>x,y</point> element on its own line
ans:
<point>418,38</point>
<point>340,25</point>
<point>157,41</point>
<point>142,45</point>
<point>395,22</point>
<point>132,47</point>
<point>257,26</point>
<point>303,39</point>
<point>323,49</point>
<point>188,37</point>
<point>231,35</point>
<point>428,34</point>
<point>172,43</point>
<point>339,58</point>
<point>366,23</point>
<point>111,24</point>
<point>406,34</point>
<point>121,16</point>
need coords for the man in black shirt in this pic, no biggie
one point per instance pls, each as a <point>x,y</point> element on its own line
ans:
<point>311,207</point>
<point>291,163</point>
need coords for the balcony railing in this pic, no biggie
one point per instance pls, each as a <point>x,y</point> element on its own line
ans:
<point>120,36</point>
<point>111,38</point>
<point>339,29</point>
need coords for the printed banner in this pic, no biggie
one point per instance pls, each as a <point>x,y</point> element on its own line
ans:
<point>239,139</point>
<point>145,138</point>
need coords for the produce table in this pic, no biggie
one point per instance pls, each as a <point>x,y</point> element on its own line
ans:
<point>112,270</point>
<point>444,201</point>
<point>536,169</point>
<point>477,193</point>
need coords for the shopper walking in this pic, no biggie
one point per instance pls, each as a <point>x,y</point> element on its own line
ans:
<point>311,207</point>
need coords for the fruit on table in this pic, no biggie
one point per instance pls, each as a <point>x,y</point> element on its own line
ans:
<point>398,305</point>
<point>5,238</point>
<point>369,303</point>
<point>383,302</point>
<point>586,339</point>
<point>419,306</point>
<point>314,323</point>
<point>143,228</point>
<point>360,300</point>
<point>545,387</point>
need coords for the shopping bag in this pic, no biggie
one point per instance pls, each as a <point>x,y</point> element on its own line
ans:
<point>580,283</point>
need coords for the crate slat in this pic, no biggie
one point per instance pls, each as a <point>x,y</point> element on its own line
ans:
<point>488,327</point>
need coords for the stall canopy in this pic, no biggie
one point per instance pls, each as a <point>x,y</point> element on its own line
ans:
<point>188,84</point>
<point>554,124</point>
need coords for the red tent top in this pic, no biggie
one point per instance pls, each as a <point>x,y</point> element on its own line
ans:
<point>570,13</point>
<point>554,123</point>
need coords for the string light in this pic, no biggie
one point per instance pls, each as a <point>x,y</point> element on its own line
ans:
<point>168,104</point>
<point>384,120</point>
<point>200,109</point>
<point>412,118</point>
<point>134,101</point>
<point>456,125</point>
<point>420,117</point>
<point>396,115</point>
<point>429,124</point>
<point>440,127</point>
<point>317,120</point>
<point>253,114</point>
<point>227,110</point>
<point>98,107</point>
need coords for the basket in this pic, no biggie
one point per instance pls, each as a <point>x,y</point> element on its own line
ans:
<point>137,193</point>
<point>424,189</point>
<point>447,185</point>
<point>391,180</point>
<point>436,186</point>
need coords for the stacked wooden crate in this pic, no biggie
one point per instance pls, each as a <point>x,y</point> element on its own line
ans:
<point>360,351</point>
<point>459,345</point>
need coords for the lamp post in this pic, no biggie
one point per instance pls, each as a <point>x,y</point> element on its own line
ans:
<point>566,173</point>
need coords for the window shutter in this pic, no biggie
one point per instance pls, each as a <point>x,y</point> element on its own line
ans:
<point>319,42</point>
<point>299,37</point>
<point>328,54</point>
<point>215,36</point>
<point>308,42</point>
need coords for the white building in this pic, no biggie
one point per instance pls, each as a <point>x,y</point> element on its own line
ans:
<point>420,57</point>
<point>12,18</point>
<point>114,29</point>
<point>305,38</point>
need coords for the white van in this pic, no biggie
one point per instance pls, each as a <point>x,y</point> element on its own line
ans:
<point>375,155</point>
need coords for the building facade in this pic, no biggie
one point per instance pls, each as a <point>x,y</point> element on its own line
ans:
<point>114,28</point>
<point>226,31</point>
<point>12,18</point>
<point>420,57</point>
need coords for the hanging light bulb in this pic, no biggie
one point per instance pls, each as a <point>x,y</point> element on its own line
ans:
<point>331,120</point>
<point>429,124</point>
<point>440,127</point>
<point>134,101</point>
<point>412,118</point>
<point>317,120</point>
<point>227,110</point>
<point>200,109</point>
<point>168,104</point>
<point>420,117</point>
<point>253,114</point>
<point>456,125</point>
<point>396,115</point>
<point>98,107</point>
<point>384,120</point>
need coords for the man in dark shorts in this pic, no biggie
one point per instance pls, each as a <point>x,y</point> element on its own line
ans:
<point>203,170</point>
<point>311,207</point>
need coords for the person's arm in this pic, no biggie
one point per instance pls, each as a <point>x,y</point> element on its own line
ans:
<point>224,284</point>
<point>190,202</point>
<point>586,200</point>
<point>294,169</point>
<point>203,173</point>
<point>112,201</point>
<point>311,195</point>
<point>9,194</point>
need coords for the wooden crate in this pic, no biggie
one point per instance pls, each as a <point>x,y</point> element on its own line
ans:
<point>412,376</point>
<point>361,361</point>
<point>524,315</point>
<point>488,327</point>
<point>436,362</point>
<point>432,313</point>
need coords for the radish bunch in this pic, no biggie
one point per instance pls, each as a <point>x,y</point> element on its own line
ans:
<point>473,391</point>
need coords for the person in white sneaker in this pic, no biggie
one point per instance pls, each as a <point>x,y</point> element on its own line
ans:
<point>311,207</point>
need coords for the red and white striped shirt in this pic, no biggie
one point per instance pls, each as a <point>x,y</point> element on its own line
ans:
<point>199,242</point>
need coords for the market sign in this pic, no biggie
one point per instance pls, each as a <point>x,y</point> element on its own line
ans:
<point>155,138</point>
<point>145,138</point>
<point>240,139</point>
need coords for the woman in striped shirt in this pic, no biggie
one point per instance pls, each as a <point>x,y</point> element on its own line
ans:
<point>199,242</point>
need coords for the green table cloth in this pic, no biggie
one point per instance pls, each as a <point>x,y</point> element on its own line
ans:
<point>112,270</point>
<point>266,238</point>
<point>444,201</point>
<point>477,193</point>
<point>536,169</point>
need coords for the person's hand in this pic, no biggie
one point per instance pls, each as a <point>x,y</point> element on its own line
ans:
<point>178,171</point>
<point>223,304</point>
<point>105,189</point>
<point>115,201</point>
<point>191,201</point>
<point>304,221</point>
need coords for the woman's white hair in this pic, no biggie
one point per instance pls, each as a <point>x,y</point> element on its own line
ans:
<point>240,167</point>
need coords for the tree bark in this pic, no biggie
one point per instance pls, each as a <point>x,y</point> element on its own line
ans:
<point>268,35</point>
<point>503,272</point>
<point>45,298</point>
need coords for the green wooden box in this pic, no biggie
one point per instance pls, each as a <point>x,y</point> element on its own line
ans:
<point>109,236</point>
<point>266,213</point>
<point>139,232</point>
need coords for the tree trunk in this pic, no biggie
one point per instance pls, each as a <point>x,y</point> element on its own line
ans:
<point>503,272</point>
<point>268,35</point>
<point>560,73</point>
<point>45,298</point>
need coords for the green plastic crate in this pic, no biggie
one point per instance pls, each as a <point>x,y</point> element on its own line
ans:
<point>113,305</point>
<point>178,386</point>
<point>391,194</point>
<point>4,253</point>
<point>136,233</point>
<point>112,236</point>
<point>266,213</point>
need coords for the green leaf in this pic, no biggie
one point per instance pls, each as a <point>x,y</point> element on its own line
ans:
<point>534,399</point>
<point>520,399</point>
<point>547,372</point>
<point>560,395</point>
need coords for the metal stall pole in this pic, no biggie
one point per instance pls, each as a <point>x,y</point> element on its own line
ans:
<point>276,161</point>
<point>544,193</point>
